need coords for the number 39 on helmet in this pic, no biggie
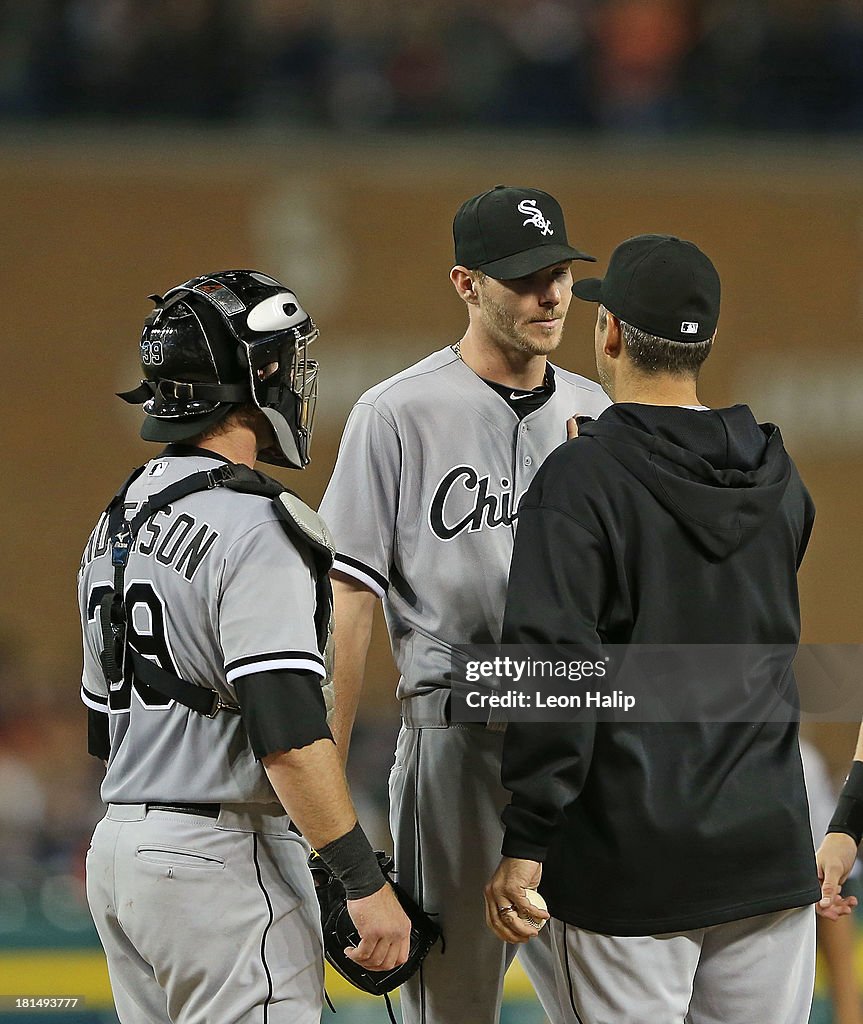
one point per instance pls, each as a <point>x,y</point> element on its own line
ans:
<point>222,340</point>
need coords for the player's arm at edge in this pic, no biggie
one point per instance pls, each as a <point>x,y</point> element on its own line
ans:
<point>291,739</point>
<point>837,853</point>
<point>353,610</point>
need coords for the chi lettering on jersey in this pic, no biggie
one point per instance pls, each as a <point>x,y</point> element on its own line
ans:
<point>462,503</point>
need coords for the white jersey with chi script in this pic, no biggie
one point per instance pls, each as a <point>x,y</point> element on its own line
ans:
<point>215,590</point>
<point>423,498</point>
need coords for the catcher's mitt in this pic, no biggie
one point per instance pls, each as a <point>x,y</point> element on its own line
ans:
<point>340,932</point>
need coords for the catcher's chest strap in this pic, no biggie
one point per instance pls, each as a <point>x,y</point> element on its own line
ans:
<point>301,523</point>
<point>112,611</point>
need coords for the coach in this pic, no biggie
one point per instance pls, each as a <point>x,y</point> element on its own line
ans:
<point>676,857</point>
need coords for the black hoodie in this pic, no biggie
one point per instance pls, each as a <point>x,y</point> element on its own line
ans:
<point>661,525</point>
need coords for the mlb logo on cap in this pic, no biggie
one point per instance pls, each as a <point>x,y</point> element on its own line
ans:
<point>688,328</point>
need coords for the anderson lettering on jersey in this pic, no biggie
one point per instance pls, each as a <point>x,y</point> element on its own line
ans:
<point>180,542</point>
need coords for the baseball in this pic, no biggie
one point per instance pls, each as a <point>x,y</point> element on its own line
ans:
<point>535,900</point>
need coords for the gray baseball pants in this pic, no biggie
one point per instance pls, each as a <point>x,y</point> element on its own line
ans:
<point>446,799</point>
<point>760,970</point>
<point>206,919</point>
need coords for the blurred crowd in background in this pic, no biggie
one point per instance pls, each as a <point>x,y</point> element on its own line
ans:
<point>640,67</point>
<point>49,798</point>
<point>645,66</point>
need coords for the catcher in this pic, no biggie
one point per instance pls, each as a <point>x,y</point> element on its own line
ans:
<point>205,611</point>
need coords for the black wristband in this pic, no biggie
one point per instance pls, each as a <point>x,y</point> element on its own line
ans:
<point>848,816</point>
<point>352,860</point>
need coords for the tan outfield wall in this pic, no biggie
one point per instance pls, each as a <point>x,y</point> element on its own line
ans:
<point>362,232</point>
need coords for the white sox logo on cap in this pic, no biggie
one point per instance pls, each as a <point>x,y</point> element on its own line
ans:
<point>534,216</point>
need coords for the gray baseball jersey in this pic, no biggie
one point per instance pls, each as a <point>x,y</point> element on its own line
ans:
<point>216,591</point>
<point>423,497</point>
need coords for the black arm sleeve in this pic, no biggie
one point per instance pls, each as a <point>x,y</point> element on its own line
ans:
<point>556,591</point>
<point>282,710</point>
<point>98,741</point>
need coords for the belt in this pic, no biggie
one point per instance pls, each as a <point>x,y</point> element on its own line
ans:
<point>208,810</point>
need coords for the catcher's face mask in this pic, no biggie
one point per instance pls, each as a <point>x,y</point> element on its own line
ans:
<point>223,339</point>
<point>284,380</point>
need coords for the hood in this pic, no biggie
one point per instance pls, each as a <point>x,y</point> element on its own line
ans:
<point>718,472</point>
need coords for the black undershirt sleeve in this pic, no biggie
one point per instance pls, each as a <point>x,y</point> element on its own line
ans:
<point>98,741</point>
<point>282,710</point>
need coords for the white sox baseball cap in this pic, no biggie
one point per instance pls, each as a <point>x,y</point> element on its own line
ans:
<point>511,232</point>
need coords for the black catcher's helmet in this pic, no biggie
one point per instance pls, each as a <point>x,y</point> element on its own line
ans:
<point>224,339</point>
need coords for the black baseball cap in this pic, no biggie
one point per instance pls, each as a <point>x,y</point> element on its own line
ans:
<point>511,232</point>
<point>659,284</point>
